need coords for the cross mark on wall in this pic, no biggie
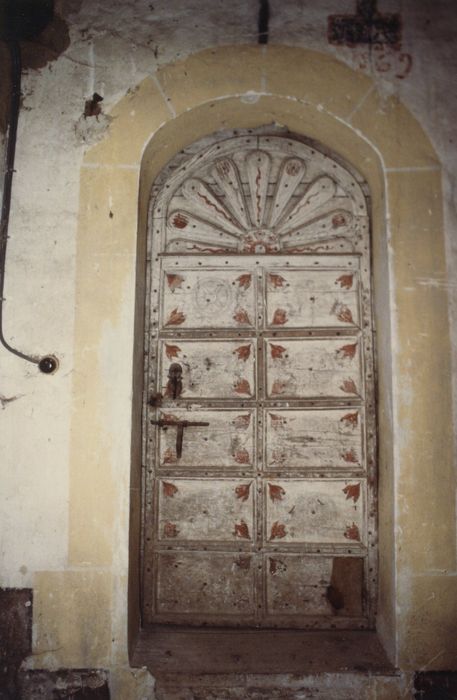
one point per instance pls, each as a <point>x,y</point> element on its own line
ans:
<point>367,26</point>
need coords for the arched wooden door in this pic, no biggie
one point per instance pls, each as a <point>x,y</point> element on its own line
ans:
<point>259,412</point>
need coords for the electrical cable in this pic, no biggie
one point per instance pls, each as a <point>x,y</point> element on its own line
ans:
<point>47,364</point>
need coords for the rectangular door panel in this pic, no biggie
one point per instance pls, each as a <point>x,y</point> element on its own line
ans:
<point>312,298</point>
<point>312,511</point>
<point>211,368</point>
<point>298,584</point>
<point>202,298</point>
<point>205,584</point>
<point>308,368</point>
<point>314,439</point>
<point>227,442</point>
<point>210,510</point>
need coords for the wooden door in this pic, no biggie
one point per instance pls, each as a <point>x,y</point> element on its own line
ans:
<point>260,355</point>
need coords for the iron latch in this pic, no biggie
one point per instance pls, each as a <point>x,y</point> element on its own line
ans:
<point>180,425</point>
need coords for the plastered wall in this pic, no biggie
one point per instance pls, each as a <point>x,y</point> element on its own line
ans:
<point>169,75</point>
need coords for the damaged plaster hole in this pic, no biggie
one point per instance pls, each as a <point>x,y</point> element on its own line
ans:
<point>88,130</point>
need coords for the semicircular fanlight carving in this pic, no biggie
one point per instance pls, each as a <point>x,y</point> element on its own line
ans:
<point>256,200</point>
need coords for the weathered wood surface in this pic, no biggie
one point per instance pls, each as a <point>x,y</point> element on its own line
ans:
<point>267,517</point>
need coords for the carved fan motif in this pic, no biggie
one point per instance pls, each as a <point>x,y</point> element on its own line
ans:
<point>257,202</point>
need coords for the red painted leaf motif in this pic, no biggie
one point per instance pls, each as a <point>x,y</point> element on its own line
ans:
<point>342,312</point>
<point>172,351</point>
<point>242,530</point>
<point>243,352</point>
<point>169,489</point>
<point>277,351</point>
<point>176,318</point>
<point>242,491</point>
<point>339,220</point>
<point>244,281</point>
<point>169,417</point>
<point>276,280</point>
<point>242,421</point>
<point>277,421</point>
<point>170,530</point>
<point>243,563</point>
<point>242,386</point>
<point>278,457</point>
<point>180,220</point>
<point>352,491</point>
<point>277,566</point>
<point>276,492</point>
<point>345,281</point>
<point>169,456</point>
<point>174,281</point>
<point>348,386</point>
<point>350,456</point>
<point>241,316</point>
<point>241,456</point>
<point>352,532</point>
<point>278,387</point>
<point>350,419</point>
<point>278,531</point>
<point>279,317</point>
<point>347,351</point>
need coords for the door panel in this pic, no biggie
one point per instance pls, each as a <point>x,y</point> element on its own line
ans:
<point>227,442</point>
<point>212,299</point>
<point>221,369</point>
<point>194,584</point>
<point>315,511</point>
<point>313,368</point>
<point>314,439</point>
<point>311,298</point>
<point>206,510</point>
<point>313,586</point>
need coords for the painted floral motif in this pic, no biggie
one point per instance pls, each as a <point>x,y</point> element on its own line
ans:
<point>279,317</point>
<point>276,492</point>
<point>242,530</point>
<point>172,351</point>
<point>278,531</point>
<point>350,419</point>
<point>174,281</point>
<point>277,351</point>
<point>176,318</point>
<point>169,489</point>
<point>244,281</point>
<point>241,316</point>
<point>242,456</point>
<point>352,532</point>
<point>242,492</point>
<point>276,280</point>
<point>348,386</point>
<point>242,386</point>
<point>242,422</point>
<point>350,456</point>
<point>264,215</point>
<point>243,352</point>
<point>347,351</point>
<point>170,530</point>
<point>352,491</point>
<point>278,387</point>
<point>342,312</point>
<point>345,281</point>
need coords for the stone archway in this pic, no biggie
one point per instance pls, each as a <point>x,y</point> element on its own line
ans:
<point>322,99</point>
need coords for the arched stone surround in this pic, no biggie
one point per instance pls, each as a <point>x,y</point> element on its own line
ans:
<point>318,97</point>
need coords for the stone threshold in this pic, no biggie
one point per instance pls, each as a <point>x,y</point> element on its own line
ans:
<point>172,650</point>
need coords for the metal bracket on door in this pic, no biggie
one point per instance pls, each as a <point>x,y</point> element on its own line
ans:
<point>180,425</point>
